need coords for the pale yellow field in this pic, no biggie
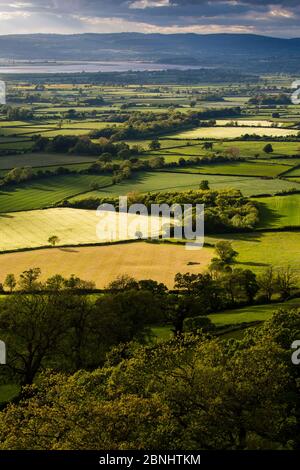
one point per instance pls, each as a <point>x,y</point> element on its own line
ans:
<point>247,122</point>
<point>103,264</point>
<point>232,132</point>
<point>32,229</point>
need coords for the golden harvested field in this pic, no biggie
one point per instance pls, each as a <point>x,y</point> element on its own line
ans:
<point>103,264</point>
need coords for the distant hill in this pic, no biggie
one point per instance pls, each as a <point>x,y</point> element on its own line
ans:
<point>264,53</point>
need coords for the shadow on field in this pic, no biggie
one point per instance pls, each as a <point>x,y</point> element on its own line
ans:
<point>136,179</point>
<point>268,217</point>
<point>250,263</point>
<point>7,192</point>
<point>68,250</point>
<point>41,187</point>
<point>254,237</point>
<point>37,186</point>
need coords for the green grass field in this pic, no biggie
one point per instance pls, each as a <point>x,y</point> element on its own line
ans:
<point>234,317</point>
<point>185,147</point>
<point>258,250</point>
<point>252,148</point>
<point>238,168</point>
<point>165,181</point>
<point>295,172</point>
<point>251,313</point>
<point>47,191</point>
<point>41,160</point>
<point>16,145</point>
<point>279,211</point>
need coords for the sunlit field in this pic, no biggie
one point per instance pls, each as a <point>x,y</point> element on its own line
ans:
<point>30,229</point>
<point>233,132</point>
<point>280,211</point>
<point>258,250</point>
<point>102,264</point>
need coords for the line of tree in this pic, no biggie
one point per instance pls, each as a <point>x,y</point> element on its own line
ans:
<point>263,99</point>
<point>81,145</point>
<point>144,125</point>
<point>17,113</point>
<point>274,138</point>
<point>225,210</point>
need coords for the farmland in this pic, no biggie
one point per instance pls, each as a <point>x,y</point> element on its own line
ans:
<point>31,229</point>
<point>46,192</point>
<point>253,149</point>
<point>40,160</point>
<point>280,211</point>
<point>234,132</point>
<point>293,173</point>
<point>165,181</point>
<point>76,110</point>
<point>252,313</point>
<point>211,147</point>
<point>237,316</point>
<point>259,250</point>
<point>238,168</point>
<point>97,301</point>
<point>102,264</point>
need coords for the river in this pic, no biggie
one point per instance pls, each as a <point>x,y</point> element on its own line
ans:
<point>21,67</point>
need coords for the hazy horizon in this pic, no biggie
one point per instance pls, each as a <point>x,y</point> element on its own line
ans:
<point>149,34</point>
<point>274,18</point>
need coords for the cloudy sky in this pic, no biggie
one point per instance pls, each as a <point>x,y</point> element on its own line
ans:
<point>274,18</point>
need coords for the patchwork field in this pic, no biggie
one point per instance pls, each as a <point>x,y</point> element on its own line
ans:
<point>65,111</point>
<point>185,147</point>
<point>103,264</point>
<point>99,246</point>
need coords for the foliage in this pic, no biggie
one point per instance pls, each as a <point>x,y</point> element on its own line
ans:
<point>224,209</point>
<point>189,393</point>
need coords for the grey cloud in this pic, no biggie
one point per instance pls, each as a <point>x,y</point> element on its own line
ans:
<point>79,14</point>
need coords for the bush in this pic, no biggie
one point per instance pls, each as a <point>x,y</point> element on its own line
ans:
<point>198,323</point>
